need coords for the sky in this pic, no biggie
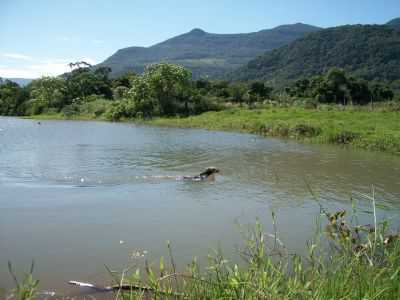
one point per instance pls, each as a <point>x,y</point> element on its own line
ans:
<point>40,37</point>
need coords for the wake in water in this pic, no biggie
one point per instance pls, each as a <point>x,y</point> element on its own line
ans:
<point>207,174</point>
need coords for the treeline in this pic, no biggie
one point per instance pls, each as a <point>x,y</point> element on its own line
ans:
<point>162,90</point>
<point>168,90</point>
<point>336,87</point>
<point>53,94</point>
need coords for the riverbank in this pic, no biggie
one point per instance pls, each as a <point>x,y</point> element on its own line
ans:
<point>360,128</point>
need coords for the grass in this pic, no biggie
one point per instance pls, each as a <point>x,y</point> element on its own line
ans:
<point>25,289</point>
<point>353,262</point>
<point>88,111</point>
<point>358,127</point>
<point>345,260</point>
<point>373,130</point>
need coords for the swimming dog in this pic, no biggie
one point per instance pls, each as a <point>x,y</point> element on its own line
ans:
<point>209,173</point>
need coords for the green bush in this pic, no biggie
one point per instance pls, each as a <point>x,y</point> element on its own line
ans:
<point>305,130</point>
<point>115,112</point>
<point>204,103</point>
<point>70,110</point>
<point>343,137</point>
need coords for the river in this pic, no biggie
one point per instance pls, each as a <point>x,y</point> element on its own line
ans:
<point>77,195</point>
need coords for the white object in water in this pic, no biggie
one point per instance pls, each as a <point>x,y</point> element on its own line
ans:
<point>82,284</point>
<point>89,285</point>
<point>48,293</point>
<point>121,242</point>
<point>82,180</point>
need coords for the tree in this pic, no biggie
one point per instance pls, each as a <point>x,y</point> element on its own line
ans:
<point>124,80</point>
<point>120,92</point>
<point>259,90</point>
<point>337,84</point>
<point>49,92</point>
<point>359,91</point>
<point>203,84</point>
<point>12,98</point>
<point>169,85</point>
<point>337,87</point>
<point>85,81</point>
<point>238,92</point>
<point>79,65</point>
<point>381,92</point>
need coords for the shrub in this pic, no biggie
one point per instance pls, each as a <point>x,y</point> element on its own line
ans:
<point>115,112</point>
<point>70,110</point>
<point>305,130</point>
<point>343,137</point>
<point>202,104</point>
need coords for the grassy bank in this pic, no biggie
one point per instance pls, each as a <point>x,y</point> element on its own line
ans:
<point>345,260</point>
<point>373,130</point>
<point>357,126</point>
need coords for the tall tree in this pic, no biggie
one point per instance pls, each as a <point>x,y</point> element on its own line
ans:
<point>170,86</point>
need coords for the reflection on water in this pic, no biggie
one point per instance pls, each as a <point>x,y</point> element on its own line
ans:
<point>70,191</point>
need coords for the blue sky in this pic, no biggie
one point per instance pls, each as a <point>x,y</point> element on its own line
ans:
<point>40,37</point>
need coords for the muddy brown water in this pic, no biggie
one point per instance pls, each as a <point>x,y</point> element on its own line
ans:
<point>77,195</point>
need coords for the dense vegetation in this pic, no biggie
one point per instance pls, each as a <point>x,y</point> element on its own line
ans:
<point>206,54</point>
<point>338,87</point>
<point>370,52</point>
<point>345,260</point>
<point>168,90</point>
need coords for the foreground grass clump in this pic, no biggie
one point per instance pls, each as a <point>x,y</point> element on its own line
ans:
<point>349,261</point>
<point>25,289</point>
<point>373,130</point>
<point>363,263</point>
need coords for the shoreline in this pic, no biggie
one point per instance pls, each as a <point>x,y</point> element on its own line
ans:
<point>355,128</point>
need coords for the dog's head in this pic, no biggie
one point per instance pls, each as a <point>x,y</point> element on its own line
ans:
<point>211,170</point>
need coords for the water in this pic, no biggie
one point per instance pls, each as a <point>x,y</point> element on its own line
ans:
<point>77,195</point>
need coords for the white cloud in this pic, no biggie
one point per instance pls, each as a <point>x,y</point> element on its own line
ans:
<point>17,56</point>
<point>38,68</point>
<point>17,73</point>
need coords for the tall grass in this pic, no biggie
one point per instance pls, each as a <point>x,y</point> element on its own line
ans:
<point>25,289</point>
<point>358,127</point>
<point>345,260</point>
<point>350,262</point>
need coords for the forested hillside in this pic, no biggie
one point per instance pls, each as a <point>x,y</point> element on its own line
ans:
<point>206,54</point>
<point>371,52</point>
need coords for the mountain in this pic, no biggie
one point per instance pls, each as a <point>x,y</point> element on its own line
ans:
<point>20,81</point>
<point>395,23</point>
<point>368,51</point>
<point>207,54</point>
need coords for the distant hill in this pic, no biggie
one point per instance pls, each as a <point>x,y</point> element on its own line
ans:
<point>395,23</point>
<point>368,51</point>
<point>207,54</point>
<point>20,81</point>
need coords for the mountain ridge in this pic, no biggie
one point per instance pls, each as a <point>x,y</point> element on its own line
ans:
<point>394,23</point>
<point>19,81</point>
<point>207,54</point>
<point>371,52</point>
